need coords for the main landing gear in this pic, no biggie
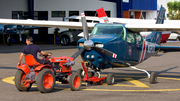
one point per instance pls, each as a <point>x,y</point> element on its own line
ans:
<point>152,77</point>
<point>94,77</point>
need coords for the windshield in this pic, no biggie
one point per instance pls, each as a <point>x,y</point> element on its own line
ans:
<point>108,29</point>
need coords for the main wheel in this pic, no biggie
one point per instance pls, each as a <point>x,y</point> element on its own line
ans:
<point>153,78</point>
<point>80,72</point>
<point>110,79</point>
<point>19,81</point>
<point>45,81</point>
<point>75,82</point>
<point>65,40</point>
<point>9,41</point>
<point>99,82</point>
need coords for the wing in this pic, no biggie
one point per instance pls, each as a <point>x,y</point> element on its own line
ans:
<point>168,48</point>
<point>152,27</point>
<point>61,24</point>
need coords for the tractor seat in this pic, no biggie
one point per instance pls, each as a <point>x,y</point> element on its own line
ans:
<point>30,61</point>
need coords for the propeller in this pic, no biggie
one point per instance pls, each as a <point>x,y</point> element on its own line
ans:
<point>88,44</point>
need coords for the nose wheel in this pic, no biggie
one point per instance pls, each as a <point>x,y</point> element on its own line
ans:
<point>94,78</point>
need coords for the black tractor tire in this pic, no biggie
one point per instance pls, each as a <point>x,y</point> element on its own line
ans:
<point>75,82</point>
<point>65,40</point>
<point>45,81</point>
<point>110,79</point>
<point>153,78</point>
<point>20,75</point>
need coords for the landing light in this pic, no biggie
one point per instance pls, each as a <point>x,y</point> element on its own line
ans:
<point>99,45</point>
<point>92,56</point>
<point>87,56</point>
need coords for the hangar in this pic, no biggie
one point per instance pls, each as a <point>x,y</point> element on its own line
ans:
<point>59,9</point>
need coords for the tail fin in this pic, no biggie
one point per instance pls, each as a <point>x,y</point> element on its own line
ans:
<point>155,37</point>
<point>102,14</point>
<point>161,16</point>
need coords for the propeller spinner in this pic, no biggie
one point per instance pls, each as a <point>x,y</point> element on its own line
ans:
<point>88,44</point>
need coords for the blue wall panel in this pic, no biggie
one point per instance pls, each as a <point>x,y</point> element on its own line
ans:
<point>144,4</point>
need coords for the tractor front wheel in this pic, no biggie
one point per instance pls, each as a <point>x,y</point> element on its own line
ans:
<point>75,82</point>
<point>45,81</point>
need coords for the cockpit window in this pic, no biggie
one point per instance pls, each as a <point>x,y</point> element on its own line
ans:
<point>108,29</point>
<point>139,39</point>
<point>130,37</point>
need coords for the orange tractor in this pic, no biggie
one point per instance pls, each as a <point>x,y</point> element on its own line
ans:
<point>43,75</point>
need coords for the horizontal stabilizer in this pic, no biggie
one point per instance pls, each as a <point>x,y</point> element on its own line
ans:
<point>168,48</point>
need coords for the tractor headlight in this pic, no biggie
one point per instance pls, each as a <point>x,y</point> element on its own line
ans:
<point>99,45</point>
<point>81,44</point>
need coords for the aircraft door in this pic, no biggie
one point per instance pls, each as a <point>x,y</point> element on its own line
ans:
<point>133,48</point>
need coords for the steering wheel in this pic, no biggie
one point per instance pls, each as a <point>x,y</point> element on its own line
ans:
<point>45,55</point>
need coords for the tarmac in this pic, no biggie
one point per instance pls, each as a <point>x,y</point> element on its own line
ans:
<point>130,84</point>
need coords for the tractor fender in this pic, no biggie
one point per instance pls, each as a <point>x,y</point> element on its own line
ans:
<point>39,68</point>
<point>24,67</point>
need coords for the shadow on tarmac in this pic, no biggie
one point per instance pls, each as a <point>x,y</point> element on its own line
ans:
<point>18,48</point>
<point>8,68</point>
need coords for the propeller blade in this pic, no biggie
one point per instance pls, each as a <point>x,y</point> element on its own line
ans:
<point>104,51</point>
<point>85,28</point>
<point>77,53</point>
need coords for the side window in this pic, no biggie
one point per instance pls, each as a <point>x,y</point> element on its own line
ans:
<point>123,36</point>
<point>139,39</point>
<point>130,37</point>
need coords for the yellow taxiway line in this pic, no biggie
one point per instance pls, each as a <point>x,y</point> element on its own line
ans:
<point>135,83</point>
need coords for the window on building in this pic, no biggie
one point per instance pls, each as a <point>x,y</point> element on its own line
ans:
<point>20,15</point>
<point>144,15</point>
<point>17,14</point>
<point>58,13</point>
<point>74,13</point>
<point>94,13</point>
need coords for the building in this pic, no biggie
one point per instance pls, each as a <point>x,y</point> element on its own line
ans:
<point>59,9</point>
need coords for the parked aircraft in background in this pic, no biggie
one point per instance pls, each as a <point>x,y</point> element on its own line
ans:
<point>15,29</point>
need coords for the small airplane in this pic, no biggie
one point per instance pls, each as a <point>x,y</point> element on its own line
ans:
<point>103,18</point>
<point>15,29</point>
<point>113,44</point>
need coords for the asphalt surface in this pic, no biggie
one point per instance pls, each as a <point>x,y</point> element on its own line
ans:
<point>130,85</point>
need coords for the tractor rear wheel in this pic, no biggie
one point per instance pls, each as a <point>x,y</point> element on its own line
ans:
<point>45,81</point>
<point>75,82</point>
<point>19,81</point>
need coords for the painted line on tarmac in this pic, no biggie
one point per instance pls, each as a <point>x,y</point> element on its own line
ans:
<point>135,82</point>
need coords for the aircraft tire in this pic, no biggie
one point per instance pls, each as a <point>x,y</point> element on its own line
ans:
<point>45,81</point>
<point>75,82</point>
<point>153,78</point>
<point>65,40</point>
<point>110,79</point>
<point>19,77</point>
<point>90,74</point>
<point>80,72</point>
